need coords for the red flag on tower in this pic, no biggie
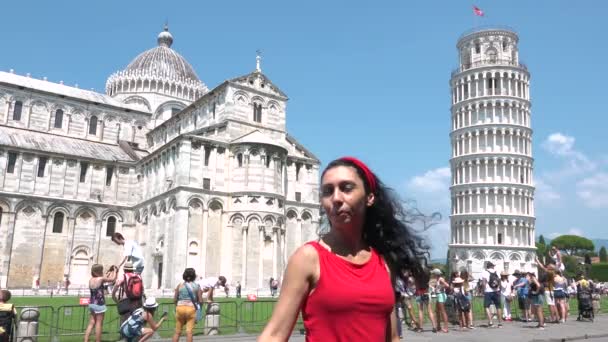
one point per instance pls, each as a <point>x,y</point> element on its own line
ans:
<point>477,11</point>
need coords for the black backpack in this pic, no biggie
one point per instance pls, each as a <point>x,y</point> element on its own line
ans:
<point>7,318</point>
<point>462,302</point>
<point>494,281</point>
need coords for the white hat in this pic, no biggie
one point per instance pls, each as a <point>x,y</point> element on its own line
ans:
<point>150,303</point>
<point>436,271</point>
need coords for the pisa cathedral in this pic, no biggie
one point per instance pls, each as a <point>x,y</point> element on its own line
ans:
<point>492,189</point>
<point>202,178</point>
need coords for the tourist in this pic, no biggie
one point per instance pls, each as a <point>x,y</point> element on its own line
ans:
<point>491,283</point>
<point>97,301</point>
<point>522,287</point>
<point>560,294</point>
<point>131,252</point>
<point>342,282</point>
<point>556,258</point>
<point>399,290</point>
<point>238,289</point>
<point>506,294</point>
<point>274,286</point>
<point>468,291</point>
<point>188,297</point>
<point>440,291</point>
<point>208,286</point>
<point>462,302</point>
<point>133,328</point>
<point>423,299</point>
<point>126,302</point>
<point>536,298</point>
<point>8,314</point>
<point>547,278</point>
<point>407,297</point>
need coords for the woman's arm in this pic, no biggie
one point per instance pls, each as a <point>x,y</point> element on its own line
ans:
<point>391,328</point>
<point>540,264</point>
<point>301,273</point>
<point>176,293</point>
<point>199,295</point>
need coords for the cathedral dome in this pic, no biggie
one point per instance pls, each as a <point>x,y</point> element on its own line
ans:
<point>158,70</point>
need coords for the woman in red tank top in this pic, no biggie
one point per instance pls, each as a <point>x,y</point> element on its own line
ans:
<point>343,284</point>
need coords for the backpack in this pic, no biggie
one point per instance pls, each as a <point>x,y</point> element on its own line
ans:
<point>494,281</point>
<point>7,318</point>
<point>134,286</point>
<point>133,325</point>
<point>462,302</point>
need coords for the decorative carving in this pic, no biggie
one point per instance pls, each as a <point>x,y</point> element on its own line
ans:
<point>29,211</point>
<point>72,163</point>
<point>85,216</point>
<point>97,167</point>
<point>57,161</point>
<point>123,170</point>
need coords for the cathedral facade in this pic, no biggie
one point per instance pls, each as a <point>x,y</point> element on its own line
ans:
<point>202,178</point>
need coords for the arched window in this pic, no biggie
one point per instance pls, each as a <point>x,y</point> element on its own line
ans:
<point>58,222</point>
<point>58,118</point>
<point>93,125</point>
<point>239,158</point>
<point>111,226</point>
<point>257,112</point>
<point>17,110</point>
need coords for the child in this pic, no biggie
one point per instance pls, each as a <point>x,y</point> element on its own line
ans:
<point>133,327</point>
<point>97,302</point>
<point>7,316</point>
<point>462,303</point>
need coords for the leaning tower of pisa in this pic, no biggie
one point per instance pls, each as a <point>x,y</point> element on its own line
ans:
<point>492,189</point>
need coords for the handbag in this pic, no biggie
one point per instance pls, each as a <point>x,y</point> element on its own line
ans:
<point>199,311</point>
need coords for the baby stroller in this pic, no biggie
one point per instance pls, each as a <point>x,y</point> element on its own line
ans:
<point>585,304</point>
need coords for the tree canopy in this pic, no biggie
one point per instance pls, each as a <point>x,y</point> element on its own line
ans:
<point>603,255</point>
<point>573,244</point>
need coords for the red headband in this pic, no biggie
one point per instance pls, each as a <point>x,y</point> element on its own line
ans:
<point>369,176</point>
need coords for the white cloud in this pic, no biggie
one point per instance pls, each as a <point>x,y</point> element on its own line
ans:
<point>593,190</point>
<point>562,145</point>
<point>436,180</point>
<point>545,192</point>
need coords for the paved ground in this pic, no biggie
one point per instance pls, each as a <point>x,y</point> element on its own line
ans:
<point>511,331</point>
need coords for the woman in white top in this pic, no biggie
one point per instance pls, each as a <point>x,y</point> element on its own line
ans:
<point>506,290</point>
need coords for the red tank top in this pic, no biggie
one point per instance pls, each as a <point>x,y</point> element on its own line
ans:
<point>350,302</point>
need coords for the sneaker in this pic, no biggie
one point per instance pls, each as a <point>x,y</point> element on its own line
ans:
<point>540,327</point>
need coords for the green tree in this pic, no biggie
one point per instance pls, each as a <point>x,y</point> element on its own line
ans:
<point>573,244</point>
<point>603,255</point>
<point>541,248</point>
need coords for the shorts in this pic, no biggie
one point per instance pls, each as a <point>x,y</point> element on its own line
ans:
<point>441,297</point>
<point>560,294</point>
<point>537,299</point>
<point>185,315</point>
<point>492,298</point>
<point>97,309</point>
<point>424,299</point>
<point>549,298</point>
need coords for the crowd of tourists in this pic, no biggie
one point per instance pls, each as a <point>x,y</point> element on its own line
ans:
<point>358,282</point>
<point>522,295</point>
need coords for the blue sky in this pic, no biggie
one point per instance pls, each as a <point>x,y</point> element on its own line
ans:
<point>364,78</point>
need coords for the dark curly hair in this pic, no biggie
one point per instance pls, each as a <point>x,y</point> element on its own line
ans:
<point>189,274</point>
<point>388,231</point>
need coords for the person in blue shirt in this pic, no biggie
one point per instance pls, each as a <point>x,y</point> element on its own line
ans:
<point>522,286</point>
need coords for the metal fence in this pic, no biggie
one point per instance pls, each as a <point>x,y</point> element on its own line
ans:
<point>69,322</point>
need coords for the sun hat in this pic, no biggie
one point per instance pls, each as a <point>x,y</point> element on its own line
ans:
<point>128,266</point>
<point>150,303</point>
<point>504,274</point>
<point>457,280</point>
<point>436,271</point>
